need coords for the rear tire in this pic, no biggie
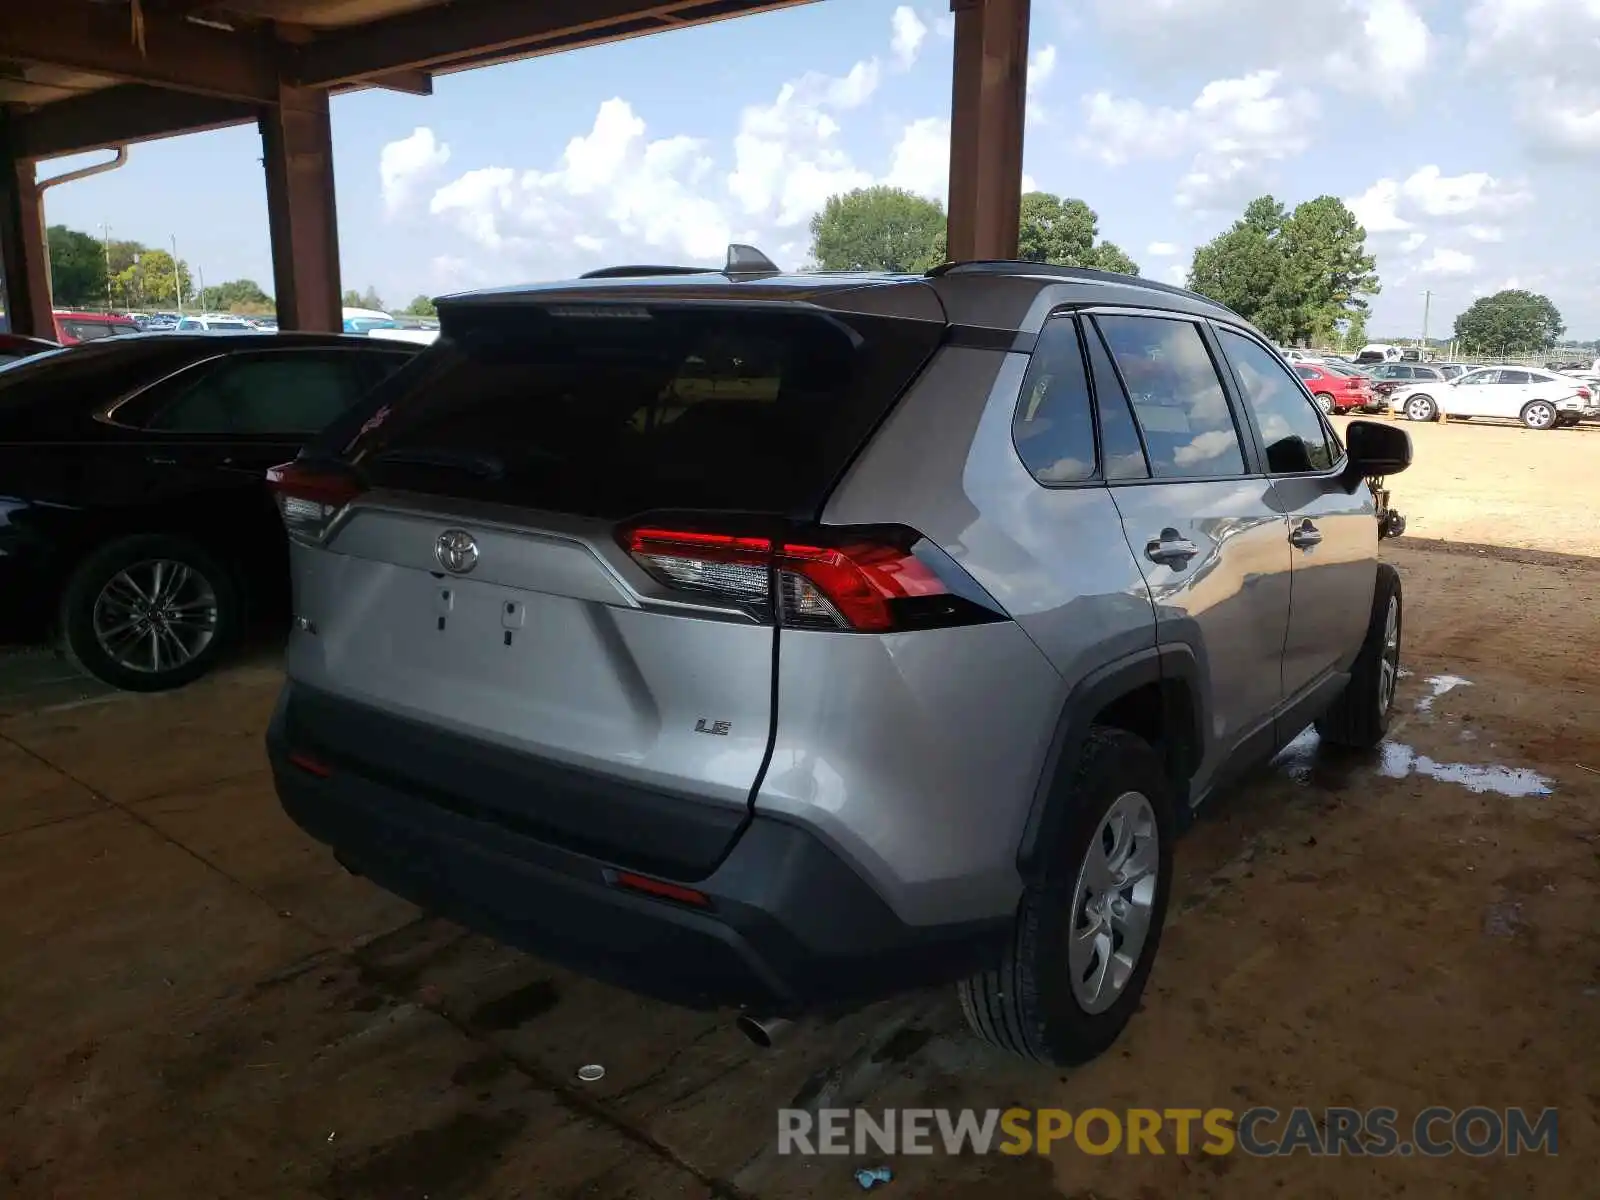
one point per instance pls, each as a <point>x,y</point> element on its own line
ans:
<point>1324,402</point>
<point>1037,1002</point>
<point>112,594</point>
<point>1540,414</point>
<point>1359,718</point>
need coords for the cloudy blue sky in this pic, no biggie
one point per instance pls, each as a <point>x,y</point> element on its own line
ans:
<point>1464,133</point>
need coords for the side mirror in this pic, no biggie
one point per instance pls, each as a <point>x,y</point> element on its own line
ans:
<point>1375,449</point>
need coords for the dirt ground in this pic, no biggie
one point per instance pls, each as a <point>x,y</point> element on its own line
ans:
<point>195,1001</point>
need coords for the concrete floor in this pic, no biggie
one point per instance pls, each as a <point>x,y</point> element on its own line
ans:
<point>196,1001</point>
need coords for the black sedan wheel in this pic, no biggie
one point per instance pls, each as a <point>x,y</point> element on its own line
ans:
<point>148,612</point>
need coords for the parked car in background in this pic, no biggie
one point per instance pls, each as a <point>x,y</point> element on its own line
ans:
<point>1335,391</point>
<point>14,347</point>
<point>1378,352</point>
<point>264,324</point>
<point>209,324</point>
<point>73,327</point>
<point>134,521</point>
<point>1539,399</point>
<point>631,640</point>
<point>1386,377</point>
<point>1301,356</point>
<point>1453,370</point>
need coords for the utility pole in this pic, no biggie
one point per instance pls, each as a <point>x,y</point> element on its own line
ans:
<point>1427,303</point>
<point>200,304</point>
<point>105,231</point>
<point>177,275</point>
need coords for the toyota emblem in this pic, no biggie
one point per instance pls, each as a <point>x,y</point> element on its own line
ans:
<point>456,550</point>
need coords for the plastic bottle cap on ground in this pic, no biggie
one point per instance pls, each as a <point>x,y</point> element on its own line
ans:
<point>592,1073</point>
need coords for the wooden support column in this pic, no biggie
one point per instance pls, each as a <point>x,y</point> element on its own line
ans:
<point>24,259</point>
<point>297,146</point>
<point>988,102</point>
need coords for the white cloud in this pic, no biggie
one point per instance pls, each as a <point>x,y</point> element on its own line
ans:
<point>1376,47</point>
<point>1041,65</point>
<point>407,166</point>
<point>1448,262</point>
<point>649,192</point>
<point>1377,208</point>
<point>1544,49</point>
<point>1177,274</point>
<point>1485,233</point>
<point>1413,242</point>
<point>1233,129</point>
<point>787,158</point>
<point>909,32</point>
<point>945,25</point>
<point>920,161</point>
<point>1161,249</point>
<point>1429,195</point>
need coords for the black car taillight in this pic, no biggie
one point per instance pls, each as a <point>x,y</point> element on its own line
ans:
<point>310,497</point>
<point>879,580</point>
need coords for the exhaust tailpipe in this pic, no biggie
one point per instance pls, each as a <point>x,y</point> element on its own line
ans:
<point>763,1031</point>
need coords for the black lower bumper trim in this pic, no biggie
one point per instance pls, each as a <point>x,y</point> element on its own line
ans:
<point>790,927</point>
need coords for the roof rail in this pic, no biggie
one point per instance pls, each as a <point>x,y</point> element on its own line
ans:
<point>1008,266</point>
<point>635,272</point>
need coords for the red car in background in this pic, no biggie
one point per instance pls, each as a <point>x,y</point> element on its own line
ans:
<point>75,327</point>
<point>1334,391</point>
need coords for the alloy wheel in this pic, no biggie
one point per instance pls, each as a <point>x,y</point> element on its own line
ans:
<point>155,616</point>
<point>1538,415</point>
<point>1112,902</point>
<point>1389,663</point>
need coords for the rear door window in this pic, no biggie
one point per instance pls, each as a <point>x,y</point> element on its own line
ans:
<point>1178,399</point>
<point>610,410</point>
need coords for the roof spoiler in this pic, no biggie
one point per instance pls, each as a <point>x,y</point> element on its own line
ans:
<point>744,262</point>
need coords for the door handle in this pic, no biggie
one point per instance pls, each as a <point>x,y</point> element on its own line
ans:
<point>1306,536</point>
<point>1171,549</point>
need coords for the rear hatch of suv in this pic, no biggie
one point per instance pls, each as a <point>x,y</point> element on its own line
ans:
<point>542,582</point>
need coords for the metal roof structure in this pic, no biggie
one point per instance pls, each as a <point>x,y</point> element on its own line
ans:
<point>78,75</point>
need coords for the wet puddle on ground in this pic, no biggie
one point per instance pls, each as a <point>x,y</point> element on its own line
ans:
<point>1306,762</point>
<point>1438,685</point>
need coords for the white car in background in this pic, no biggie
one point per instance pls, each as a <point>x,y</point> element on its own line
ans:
<point>1539,399</point>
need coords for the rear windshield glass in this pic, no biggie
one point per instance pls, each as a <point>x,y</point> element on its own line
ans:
<point>611,411</point>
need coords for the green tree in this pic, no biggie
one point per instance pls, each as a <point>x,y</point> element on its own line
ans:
<point>1063,232</point>
<point>1355,333</point>
<point>1297,275</point>
<point>1510,321</point>
<point>77,267</point>
<point>367,299</point>
<point>878,229</point>
<point>422,306</point>
<point>237,295</point>
<point>150,282</point>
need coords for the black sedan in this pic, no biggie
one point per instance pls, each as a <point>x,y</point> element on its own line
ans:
<point>135,522</point>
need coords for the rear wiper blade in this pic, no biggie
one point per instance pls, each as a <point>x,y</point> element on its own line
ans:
<point>485,466</point>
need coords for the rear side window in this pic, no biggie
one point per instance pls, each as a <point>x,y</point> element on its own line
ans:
<point>608,411</point>
<point>1306,372</point>
<point>1054,427</point>
<point>1177,397</point>
<point>1516,377</point>
<point>288,392</point>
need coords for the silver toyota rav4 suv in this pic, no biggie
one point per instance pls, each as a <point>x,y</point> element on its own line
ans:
<point>784,642</point>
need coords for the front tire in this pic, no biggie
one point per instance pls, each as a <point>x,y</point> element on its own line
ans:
<point>1539,414</point>
<point>1421,408</point>
<point>1087,931</point>
<point>1359,718</point>
<point>148,612</point>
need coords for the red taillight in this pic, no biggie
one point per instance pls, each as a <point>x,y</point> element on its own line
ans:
<point>661,888</point>
<point>310,765</point>
<point>310,497</point>
<point>1583,393</point>
<point>850,581</point>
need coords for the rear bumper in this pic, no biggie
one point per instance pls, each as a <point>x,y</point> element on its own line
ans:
<point>788,927</point>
